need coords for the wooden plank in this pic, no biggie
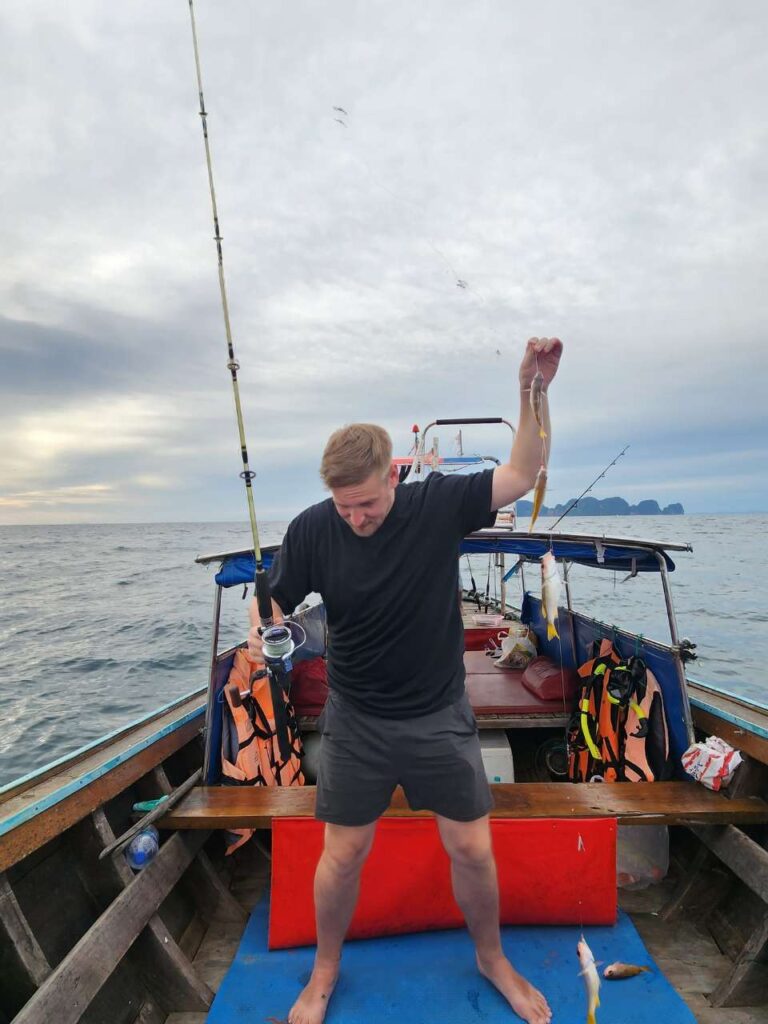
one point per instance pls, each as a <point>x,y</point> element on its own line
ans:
<point>657,803</point>
<point>19,937</point>
<point>164,967</point>
<point>742,739</point>
<point>747,983</point>
<point>694,882</point>
<point>63,767</point>
<point>555,720</point>
<point>38,830</point>
<point>151,816</point>
<point>746,858</point>
<point>66,993</point>
<point>209,892</point>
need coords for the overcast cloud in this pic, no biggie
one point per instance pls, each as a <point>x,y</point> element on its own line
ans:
<point>595,170</point>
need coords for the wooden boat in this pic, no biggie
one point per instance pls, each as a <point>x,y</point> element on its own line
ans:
<point>83,938</point>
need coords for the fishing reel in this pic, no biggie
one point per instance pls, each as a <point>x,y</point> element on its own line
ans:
<point>279,646</point>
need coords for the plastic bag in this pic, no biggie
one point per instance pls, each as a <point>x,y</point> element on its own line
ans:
<point>712,763</point>
<point>517,648</point>
<point>642,855</point>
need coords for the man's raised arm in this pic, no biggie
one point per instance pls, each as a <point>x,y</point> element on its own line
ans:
<point>515,478</point>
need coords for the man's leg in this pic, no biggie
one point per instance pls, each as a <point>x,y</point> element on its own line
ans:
<point>337,884</point>
<point>473,872</point>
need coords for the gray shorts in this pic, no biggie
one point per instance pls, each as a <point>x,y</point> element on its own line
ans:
<point>436,758</point>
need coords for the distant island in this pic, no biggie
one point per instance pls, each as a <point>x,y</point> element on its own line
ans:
<point>605,507</point>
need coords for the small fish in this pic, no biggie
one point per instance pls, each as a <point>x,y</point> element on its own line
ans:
<point>537,399</point>
<point>619,970</point>
<point>341,110</point>
<point>539,489</point>
<point>591,978</point>
<point>550,592</point>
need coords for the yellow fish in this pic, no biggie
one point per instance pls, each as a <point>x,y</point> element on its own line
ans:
<point>539,488</point>
<point>550,592</point>
<point>619,970</point>
<point>591,978</point>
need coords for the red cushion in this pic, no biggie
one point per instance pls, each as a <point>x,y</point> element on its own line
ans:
<point>551,871</point>
<point>544,678</point>
<point>309,686</point>
<point>500,691</point>
<point>476,638</point>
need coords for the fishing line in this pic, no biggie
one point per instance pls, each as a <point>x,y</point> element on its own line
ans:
<point>576,501</point>
<point>459,281</point>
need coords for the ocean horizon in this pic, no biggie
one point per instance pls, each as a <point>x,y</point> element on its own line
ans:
<point>103,623</point>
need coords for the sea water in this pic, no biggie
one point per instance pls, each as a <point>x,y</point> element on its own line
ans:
<point>102,624</point>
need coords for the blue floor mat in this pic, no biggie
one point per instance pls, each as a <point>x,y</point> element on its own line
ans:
<point>430,978</point>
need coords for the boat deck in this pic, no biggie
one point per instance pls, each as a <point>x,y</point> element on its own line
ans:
<point>687,955</point>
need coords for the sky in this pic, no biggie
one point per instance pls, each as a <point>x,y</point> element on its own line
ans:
<point>594,171</point>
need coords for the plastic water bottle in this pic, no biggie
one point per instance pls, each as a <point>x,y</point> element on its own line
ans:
<point>142,848</point>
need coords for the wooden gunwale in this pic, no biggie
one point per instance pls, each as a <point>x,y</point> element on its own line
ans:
<point>68,761</point>
<point>35,815</point>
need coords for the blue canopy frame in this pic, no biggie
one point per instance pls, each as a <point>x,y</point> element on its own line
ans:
<point>622,554</point>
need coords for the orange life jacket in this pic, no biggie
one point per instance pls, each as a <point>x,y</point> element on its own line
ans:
<point>618,731</point>
<point>258,761</point>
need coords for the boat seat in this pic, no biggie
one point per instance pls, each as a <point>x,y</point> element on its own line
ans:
<point>650,803</point>
<point>501,691</point>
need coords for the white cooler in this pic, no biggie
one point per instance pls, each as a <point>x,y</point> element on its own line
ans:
<point>497,755</point>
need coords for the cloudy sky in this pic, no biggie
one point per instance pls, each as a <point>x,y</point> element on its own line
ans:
<point>596,171</point>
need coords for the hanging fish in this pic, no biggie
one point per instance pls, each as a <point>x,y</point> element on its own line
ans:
<point>618,971</point>
<point>539,489</point>
<point>591,978</point>
<point>550,592</point>
<point>537,400</point>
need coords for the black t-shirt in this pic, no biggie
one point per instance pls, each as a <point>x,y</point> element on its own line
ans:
<point>395,637</point>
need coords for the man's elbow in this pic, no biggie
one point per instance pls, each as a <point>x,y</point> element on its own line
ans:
<point>509,484</point>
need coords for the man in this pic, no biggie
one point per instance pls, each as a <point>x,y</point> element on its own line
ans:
<point>385,560</point>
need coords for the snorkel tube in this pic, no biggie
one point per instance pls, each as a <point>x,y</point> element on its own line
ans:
<point>278,639</point>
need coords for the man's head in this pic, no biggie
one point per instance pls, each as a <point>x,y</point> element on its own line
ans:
<point>357,469</point>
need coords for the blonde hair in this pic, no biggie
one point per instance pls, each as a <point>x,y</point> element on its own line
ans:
<point>353,453</point>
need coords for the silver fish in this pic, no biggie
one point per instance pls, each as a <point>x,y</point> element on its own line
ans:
<point>537,400</point>
<point>551,586</point>
<point>591,978</point>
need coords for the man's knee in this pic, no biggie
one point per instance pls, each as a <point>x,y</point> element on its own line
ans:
<point>346,848</point>
<point>467,843</point>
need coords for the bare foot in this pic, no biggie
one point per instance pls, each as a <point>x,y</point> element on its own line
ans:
<point>311,1005</point>
<point>525,1000</point>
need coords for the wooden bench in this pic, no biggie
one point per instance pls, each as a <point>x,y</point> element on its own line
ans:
<point>656,803</point>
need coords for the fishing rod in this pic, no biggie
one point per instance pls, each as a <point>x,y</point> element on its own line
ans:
<point>278,639</point>
<point>576,501</point>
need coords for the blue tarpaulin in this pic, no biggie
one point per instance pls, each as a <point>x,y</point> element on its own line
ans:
<point>598,552</point>
<point>432,977</point>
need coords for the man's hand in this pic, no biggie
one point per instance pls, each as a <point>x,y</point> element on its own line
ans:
<point>255,643</point>
<point>540,354</point>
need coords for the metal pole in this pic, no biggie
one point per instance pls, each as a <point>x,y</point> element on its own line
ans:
<point>211,704</point>
<point>687,717</point>
<point>566,580</point>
